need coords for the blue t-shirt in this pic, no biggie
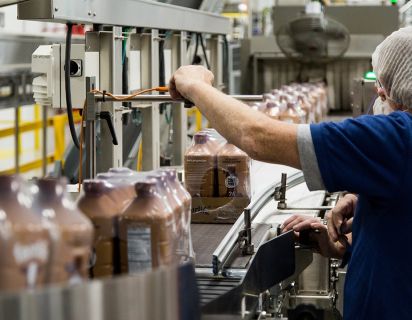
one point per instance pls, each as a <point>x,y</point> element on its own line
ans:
<point>371,156</point>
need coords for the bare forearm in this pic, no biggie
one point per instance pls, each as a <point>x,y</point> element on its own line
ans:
<point>261,137</point>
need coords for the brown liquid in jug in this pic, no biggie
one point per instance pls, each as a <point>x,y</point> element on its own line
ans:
<point>123,191</point>
<point>104,212</point>
<point>200,164</point>
<point>290,114</point>
<point>24,238</point>
<point>186,199</point>
<point>272,110</point>
<point>72,230</point>
<point>233,172</point>
<point>147,237</point>
<point>175,204</point>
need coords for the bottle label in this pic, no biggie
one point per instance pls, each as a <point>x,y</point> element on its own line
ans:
<point>139,249</point>
<point>31,258</point>
<point>231,182</point>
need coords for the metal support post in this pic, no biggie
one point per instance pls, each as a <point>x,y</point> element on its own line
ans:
<point>179,58</point>
<point>90,130</point>
<point>44,139</point>
<point>17,140</point>
<point>149,63</point>
<point>110,155</point>
<point>215,46</point>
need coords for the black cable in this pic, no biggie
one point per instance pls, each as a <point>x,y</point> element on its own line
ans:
<point>162,71</point>
<point>204,51</point>
<point>125,70</point>
<point>67,85</point>
<point>196,49</point>
<point>226,62</point>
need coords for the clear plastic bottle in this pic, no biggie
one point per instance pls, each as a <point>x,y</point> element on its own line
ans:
<point>290,114</point>
<point>147,237</point>
<point>72,230</point>
<point>272,110</point>
<point>123,190</point>
<point>24,237</point>
<point>186,199</point>
<point>175,203</point>
<point>303,104</point>
<point>104,212</point>
<point>214,137</point>
<point>123,171</point>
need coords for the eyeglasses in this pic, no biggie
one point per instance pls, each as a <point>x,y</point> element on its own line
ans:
<point>378,84</point>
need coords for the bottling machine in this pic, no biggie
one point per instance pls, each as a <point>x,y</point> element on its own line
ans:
<point>243,271</point>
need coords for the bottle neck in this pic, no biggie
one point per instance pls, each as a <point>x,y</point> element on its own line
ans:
<point>9,185</point>
<point>146,189</point>
<point>50,190</point>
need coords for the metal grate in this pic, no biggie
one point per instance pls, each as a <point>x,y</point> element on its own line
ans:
<point>206,238</point>
<point>212,288</point>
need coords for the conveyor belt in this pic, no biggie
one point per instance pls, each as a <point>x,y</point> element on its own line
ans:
<point>212,288</point>
<point>206,238</point>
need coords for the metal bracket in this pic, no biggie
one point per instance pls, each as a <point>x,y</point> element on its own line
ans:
<point>90,128</point>
<point>280,196</point>
<point>245,235</point>
<point>280,192</point>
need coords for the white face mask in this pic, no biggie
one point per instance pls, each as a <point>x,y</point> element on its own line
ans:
<point>381,107</point>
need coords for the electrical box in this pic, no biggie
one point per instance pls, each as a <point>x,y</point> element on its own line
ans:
<point>49,86</point>
<point>363,96</point>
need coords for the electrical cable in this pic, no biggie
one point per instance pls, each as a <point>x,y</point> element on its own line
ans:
<point>80,177</point>
<point>125,98</point>
<point>80,173</point>
<point>204,51</point>
<point>196,49</point>
<point>125,69</point>
<point>226,61</point>
<point>162,70</point>
<point>67,85</point>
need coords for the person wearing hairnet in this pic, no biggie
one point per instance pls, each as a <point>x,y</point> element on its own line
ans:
<point>369,156</point>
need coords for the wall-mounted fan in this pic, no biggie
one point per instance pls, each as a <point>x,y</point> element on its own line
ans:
<point>313,39</point>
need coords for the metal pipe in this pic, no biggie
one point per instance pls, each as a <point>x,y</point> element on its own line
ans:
<point>17,139</point>
<point>307,209</point>
<point>167,98</point>
<point>44,146</point>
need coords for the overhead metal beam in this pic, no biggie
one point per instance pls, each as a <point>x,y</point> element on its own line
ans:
<point>133,13</point>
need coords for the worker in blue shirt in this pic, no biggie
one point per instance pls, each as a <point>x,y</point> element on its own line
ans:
<point>369,156</point>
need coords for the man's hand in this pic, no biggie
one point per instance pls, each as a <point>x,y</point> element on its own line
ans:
<point>341,217</point>
<point>186,78</point>
<point>325,246</point>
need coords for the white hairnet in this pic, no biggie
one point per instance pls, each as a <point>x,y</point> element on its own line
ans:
<point>392,64</point>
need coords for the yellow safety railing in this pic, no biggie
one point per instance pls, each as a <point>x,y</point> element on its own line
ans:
<point>58,122</point>
<point>194,112</point>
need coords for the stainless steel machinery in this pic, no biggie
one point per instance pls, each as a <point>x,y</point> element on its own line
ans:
<point>363,96</point>
<point>243,271</point>
<point>262,58</point>
<point>103,60</point>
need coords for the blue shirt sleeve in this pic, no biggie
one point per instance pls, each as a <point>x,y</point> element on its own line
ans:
<point>368,155</point>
